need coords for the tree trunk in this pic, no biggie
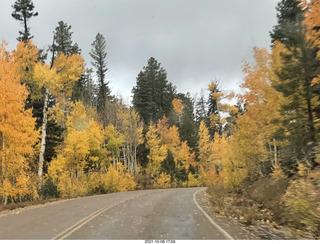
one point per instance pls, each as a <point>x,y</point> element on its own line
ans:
<point>275,153</point>
<point>125,157</point>
<point>135,167</point>
<point>43,135</point>
<point>25,37</point>
<point>310,116</point>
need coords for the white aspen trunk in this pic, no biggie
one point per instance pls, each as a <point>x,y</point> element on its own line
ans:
<point>114,162</point>
<point>135,167</point>
<point>43,135</point>
<point>125,158</point>
<point>130,162</point>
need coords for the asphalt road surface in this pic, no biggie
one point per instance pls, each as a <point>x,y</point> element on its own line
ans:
<point>172,214</point>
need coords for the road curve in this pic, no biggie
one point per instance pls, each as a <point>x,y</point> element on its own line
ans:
<point>137,215</point>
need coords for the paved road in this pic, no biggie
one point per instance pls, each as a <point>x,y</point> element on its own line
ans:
<point>149,214</point>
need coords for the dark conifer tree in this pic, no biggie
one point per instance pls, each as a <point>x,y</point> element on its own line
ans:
<point>290,16</point>
<point>300,67</point>
<point>153,94</point>
<point>23,11</point>
<point>99,56</point>
<point>63,40</point>
<point>188,128</point>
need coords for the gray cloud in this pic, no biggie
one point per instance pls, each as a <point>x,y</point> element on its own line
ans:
<point>195,40</point>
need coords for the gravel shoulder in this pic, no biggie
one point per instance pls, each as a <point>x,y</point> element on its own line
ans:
<point>240,231</point>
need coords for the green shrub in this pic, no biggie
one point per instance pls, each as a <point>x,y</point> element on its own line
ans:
<point>49,190</point>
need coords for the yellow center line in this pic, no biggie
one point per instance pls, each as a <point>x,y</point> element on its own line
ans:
<point>64,234</point>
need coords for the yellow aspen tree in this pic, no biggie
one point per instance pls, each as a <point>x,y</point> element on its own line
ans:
<point>25,57</point>
<point>127,122</point>
<point>114,141</point>
<point>184,158</point>
<point>178,108</point>
<point>312,20</point>
<point>205,147</point>
<point>17,134</point>
<point>163,181</point>
<point>169,135</point>
<point>157,153</point>
<point>58,79</point>
<point>83,136</point>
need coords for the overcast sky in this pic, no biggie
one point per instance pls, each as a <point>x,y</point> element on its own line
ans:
<point>196,41</point>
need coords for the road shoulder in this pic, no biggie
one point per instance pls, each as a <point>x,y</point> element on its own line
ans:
<point>238,230</point>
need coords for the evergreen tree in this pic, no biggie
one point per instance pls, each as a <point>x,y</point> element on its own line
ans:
<point>188,127</point>
<point>153,94</point>
<point>298,68</point>
<point>201,109</point>
<point>23,11</point>
<point>99,55</point>
<point>63,40</point>
<point>213,108</point>
<point>290,16</point>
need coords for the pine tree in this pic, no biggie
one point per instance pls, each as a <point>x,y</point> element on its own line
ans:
<point>188,130</point>
<point>290,16</point>
<point>214,99</point>
<point>99,55</point>
<point>201,109</point>
<point>63,40</point>
<point>23,11</point>
<point>296,72</point>
<point>153,94</point>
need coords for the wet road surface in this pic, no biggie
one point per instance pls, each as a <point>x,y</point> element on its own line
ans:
<point>138,215</point>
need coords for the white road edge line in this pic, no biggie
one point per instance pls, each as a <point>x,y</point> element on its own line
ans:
<point>223,232</point>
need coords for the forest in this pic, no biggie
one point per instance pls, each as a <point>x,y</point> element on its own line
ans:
<point>63,134</point>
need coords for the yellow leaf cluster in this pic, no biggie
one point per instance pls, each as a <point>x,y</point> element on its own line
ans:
<point>177,106</point>
<point>17,133</point>
<point>158,152</point>
<point>25,57</point>
<point>163,181</point>
<point>116,180</point>
<point>60,77</point>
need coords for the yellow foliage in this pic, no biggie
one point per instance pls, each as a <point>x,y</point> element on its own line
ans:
<point>71,187</point>
<point>205,146</point>
<point>17,133</point>
<point>177,106</point>
<point>83,136</point>
<point>162,181</point>
<point>114,140</point>
<point>192,181</point>
<point>184,158</point>
<point>25,58</point>
<point>209,177</point>
<point>158,152</point>
<point>277,173</point>
<point>116,180</point>
<point>169,135</point>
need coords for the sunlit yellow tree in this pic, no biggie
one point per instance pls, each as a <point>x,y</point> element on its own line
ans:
<point>58,79</point>
<point>157,153</point>
<point>17,133</point>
